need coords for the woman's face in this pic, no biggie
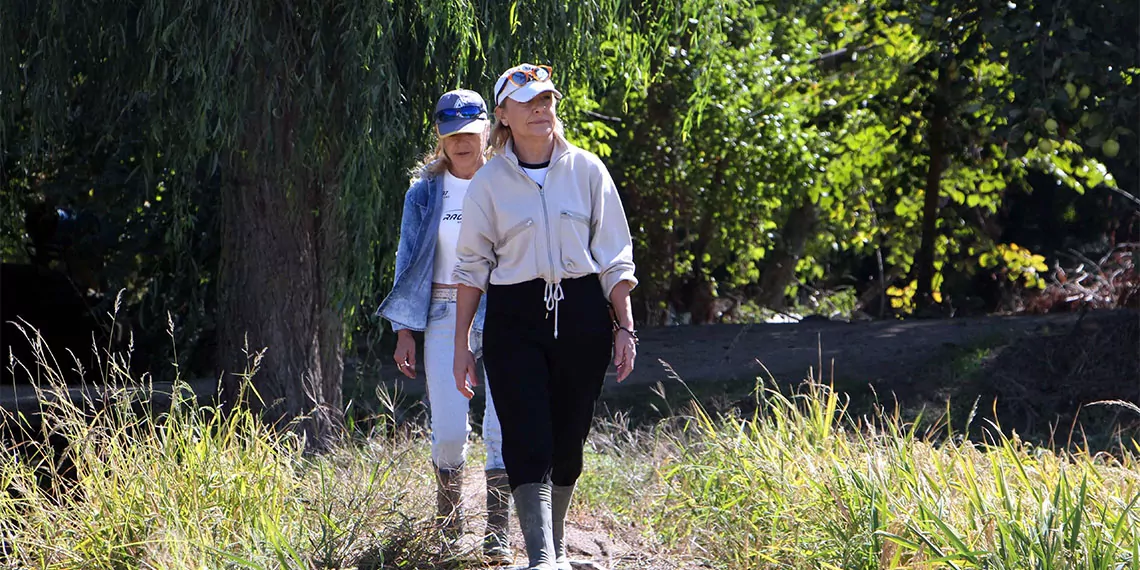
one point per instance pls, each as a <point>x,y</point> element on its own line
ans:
<point>533,119</point>
<point>465,150</point>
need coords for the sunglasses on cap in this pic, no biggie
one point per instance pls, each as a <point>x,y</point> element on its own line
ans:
<point>464,112</point>
<point>523,76</point>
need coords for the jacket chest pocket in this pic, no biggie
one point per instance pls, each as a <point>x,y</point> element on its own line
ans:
<point>574,237</point>
<point>515,249</point>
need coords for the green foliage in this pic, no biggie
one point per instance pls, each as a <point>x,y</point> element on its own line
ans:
<point>1021,264</point>
<point>150,113</point>
<point>846,109</point>
<point>747,135</point>
<point>705,193</point>
<point>1075,69</point>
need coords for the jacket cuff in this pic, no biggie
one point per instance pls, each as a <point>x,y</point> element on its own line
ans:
<point>610,279</point>
<point>462,277</point>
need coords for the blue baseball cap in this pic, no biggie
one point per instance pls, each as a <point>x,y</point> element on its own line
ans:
<point>460,111</point>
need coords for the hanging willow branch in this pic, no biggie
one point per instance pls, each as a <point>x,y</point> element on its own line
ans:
<point>351,81</point>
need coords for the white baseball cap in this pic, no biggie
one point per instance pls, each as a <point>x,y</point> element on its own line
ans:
<point>523,82</point>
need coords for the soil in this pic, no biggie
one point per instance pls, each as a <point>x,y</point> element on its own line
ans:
<point>885,353</point>
<point>916,362</point>
<point>593,542</point>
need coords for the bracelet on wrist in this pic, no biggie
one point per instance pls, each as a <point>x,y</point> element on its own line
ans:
<point>632,334</point>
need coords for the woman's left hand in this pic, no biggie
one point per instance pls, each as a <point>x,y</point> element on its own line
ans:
<point>625,352</point>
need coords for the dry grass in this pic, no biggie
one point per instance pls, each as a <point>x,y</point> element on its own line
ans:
<point>797,483</point>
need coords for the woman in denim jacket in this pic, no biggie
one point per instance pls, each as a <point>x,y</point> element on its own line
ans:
<point>423,299</point>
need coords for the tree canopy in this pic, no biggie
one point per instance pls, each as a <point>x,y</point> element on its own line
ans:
<point>253,156</point>
<point>834,135</point>
<point>245,162</point>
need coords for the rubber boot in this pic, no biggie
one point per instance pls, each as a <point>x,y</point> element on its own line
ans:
<point>496,541</point>
<point>532,503</point>
<point>449,511</point>
<point>560,504</point>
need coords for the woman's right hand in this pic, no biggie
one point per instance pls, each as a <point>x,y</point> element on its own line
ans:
<point>406,353</point>
<point>464,371</point>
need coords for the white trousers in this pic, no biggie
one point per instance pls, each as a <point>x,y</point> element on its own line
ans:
<point>448,408</point>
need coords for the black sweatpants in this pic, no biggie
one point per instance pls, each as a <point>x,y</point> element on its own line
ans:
<point>545,388</point>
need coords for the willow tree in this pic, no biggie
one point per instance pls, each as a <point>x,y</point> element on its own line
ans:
<point>308,113</point>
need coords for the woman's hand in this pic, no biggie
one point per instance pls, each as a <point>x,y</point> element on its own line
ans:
<point>464,370</point>
<point>463,367</point>
<point>406,353</point>
<point>625,352</point>
<point>625,340</point>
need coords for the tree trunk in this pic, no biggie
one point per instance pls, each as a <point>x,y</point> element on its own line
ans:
<point>924,260</point>
<point>780,270</point>
<point>281,235</point>
<point>331,241</point>
<point>698,291</point>
<point>269,293</point>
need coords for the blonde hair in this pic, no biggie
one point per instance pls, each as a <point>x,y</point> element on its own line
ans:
<point>435,162</point>
<point>501,134</point>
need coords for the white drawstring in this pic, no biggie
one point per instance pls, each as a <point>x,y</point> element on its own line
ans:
<point>552,295</point>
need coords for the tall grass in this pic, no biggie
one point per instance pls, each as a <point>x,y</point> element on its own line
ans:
<point>800,484</point>
<point>129,479</point>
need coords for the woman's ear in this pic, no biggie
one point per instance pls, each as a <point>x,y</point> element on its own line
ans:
<point>501,116</point>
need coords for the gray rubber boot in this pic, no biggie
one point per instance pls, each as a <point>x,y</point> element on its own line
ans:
<point>496,541</point>
<point>560,504</point>
<point>449,511</point>
<point>532,503</point>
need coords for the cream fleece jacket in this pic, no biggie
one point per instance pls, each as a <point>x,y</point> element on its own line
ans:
<point>514,230</point>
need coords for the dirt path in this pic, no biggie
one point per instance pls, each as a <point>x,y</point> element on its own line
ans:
<point>608,543</point>
<point>872,352</point>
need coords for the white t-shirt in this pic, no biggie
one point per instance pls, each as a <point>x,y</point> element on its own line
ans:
<point>536,172</point>
<point>451,217</point>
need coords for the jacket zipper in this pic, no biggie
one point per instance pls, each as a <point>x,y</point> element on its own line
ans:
<point>550,294</point>
<point>545,216</point>
<point>515,231</point>
<point>576,217</point>
<point>546,221</point>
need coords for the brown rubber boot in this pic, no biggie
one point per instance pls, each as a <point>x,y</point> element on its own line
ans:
<point>449,511</point>
<point>496,541</point>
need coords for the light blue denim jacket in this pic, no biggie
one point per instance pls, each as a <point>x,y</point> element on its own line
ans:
<point>407,305</point>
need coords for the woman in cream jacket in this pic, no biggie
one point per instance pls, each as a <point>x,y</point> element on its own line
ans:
<point>545,237</point>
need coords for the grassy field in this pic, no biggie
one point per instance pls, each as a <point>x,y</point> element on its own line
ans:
<point>799,484</point>
<point>796,482</point>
